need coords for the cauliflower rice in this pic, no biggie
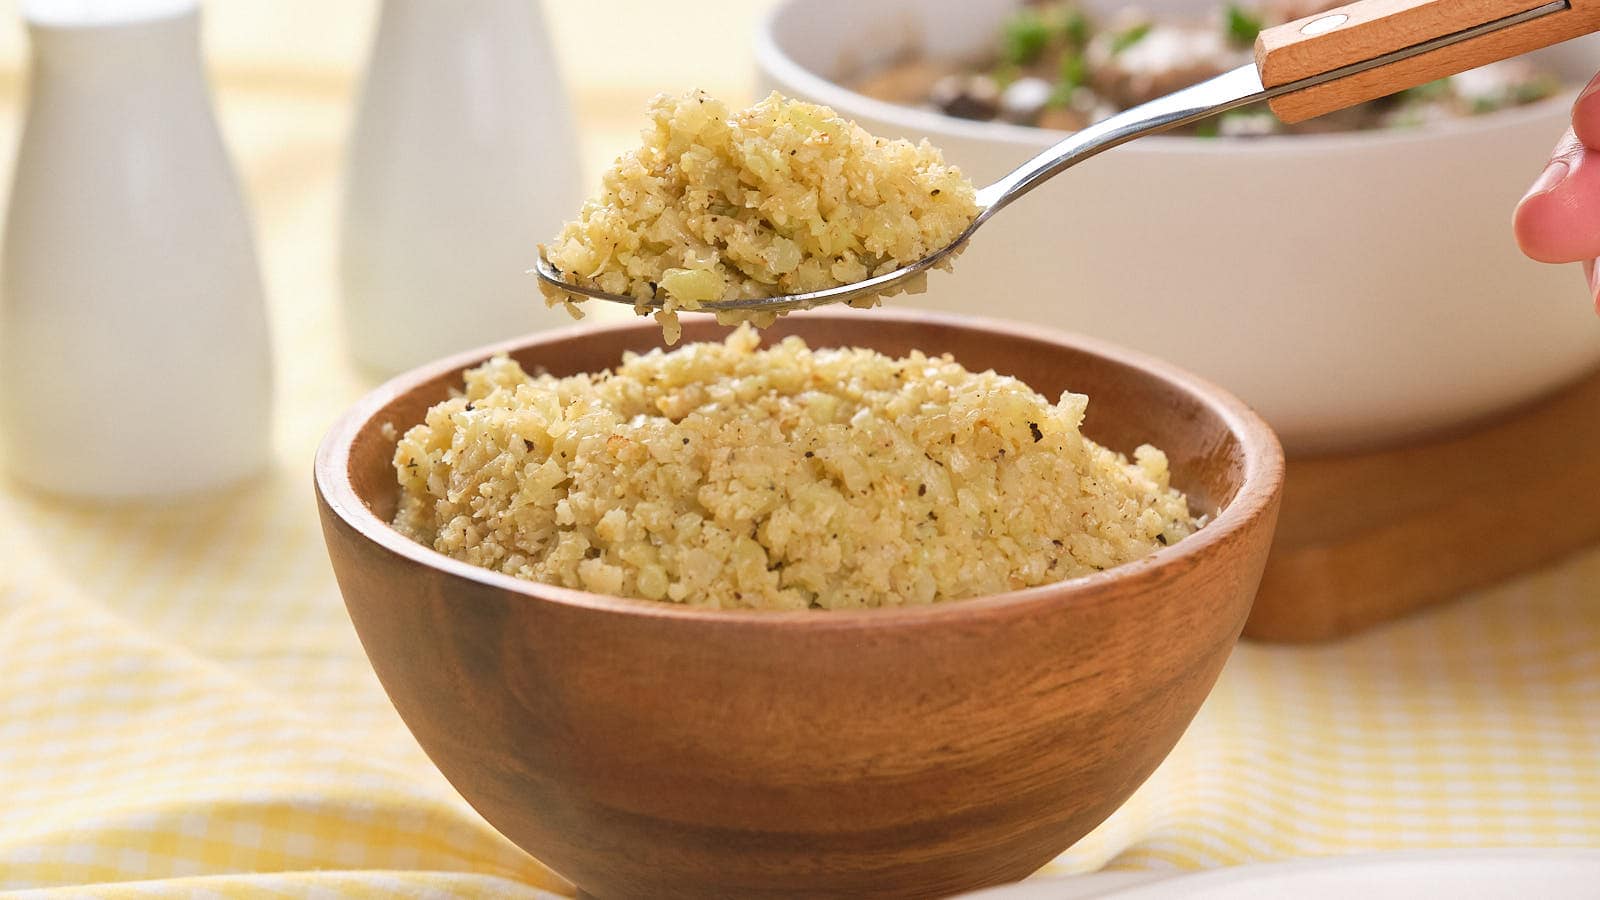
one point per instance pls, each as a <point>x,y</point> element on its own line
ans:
<point>782,198</point>
<point>729,476</point>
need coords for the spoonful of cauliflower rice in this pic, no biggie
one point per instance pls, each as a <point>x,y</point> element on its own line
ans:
<point>743,213</point>
<point>786,205</point>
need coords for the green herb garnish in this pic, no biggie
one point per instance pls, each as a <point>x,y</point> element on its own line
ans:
<point>1128,38</point>
<point>1073,76</point>
<point>1242,26</point>
<point>1428,92</point>
<point>1074,29</point>
<point>1023,37</point>
<point>1534,89</point>
<point>1074,73</point>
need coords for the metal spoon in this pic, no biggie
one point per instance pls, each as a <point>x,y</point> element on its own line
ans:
<point>1317,42</point>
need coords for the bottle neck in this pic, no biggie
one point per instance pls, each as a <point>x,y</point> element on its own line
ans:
<point>130,53</point>
<point>431,17</point>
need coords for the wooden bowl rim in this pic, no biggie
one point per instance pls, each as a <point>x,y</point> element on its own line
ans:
<point>1257,494</point>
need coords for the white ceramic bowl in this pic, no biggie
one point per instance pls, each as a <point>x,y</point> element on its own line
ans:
<point>1357,289</point>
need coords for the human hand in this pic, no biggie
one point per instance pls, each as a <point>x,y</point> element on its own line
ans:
<point>1558,221</point>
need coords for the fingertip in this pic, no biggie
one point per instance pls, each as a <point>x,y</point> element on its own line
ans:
<point>1540,219</point>
<point>1536,227</point>
<point>1559,219</point>
<point>1586,114</point>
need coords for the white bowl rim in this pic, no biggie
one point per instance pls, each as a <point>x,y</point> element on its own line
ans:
<point>1260,485</point>
<point>771,56</point>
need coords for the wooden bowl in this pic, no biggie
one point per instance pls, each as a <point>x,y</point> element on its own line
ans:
<point>643,749</point>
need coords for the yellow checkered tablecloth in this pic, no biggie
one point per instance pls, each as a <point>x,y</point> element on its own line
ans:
<point>185,708</point>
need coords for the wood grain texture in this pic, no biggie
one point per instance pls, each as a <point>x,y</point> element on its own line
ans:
<point>1366,538</point>
<point>647,750</point>
<point>1376,27</point>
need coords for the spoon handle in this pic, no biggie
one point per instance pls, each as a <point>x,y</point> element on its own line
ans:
<point>1367,30</point>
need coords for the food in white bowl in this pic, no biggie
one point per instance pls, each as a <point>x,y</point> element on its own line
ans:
<point>1358,288</point>
<point>782,198</point>
<point>1054,64</point>
<point>728,476</point>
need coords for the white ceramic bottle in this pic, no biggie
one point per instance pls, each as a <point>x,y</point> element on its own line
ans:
<point>134,357</point>
<point>463,159</point>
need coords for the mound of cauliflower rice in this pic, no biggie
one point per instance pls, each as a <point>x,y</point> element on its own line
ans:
<point>782,198</point>
<point>730,476</point>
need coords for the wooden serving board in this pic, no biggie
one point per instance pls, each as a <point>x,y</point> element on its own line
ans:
<point>1367,537</point>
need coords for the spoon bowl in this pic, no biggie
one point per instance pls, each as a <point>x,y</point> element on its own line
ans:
<point>1327,73</point>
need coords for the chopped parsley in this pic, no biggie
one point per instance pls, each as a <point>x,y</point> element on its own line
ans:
<point>1023,37</point>
<point>1242,26</point>
<point>1129,37</point>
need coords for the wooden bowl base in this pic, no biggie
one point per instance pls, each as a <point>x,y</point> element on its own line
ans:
<point>1367,537</point>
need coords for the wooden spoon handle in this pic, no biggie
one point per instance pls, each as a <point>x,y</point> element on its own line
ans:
<point>1368,29</point>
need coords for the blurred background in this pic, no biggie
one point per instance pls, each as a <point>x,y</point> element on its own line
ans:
<point>1192,243</point>
<point>204,634</point>
<point>614,54</point>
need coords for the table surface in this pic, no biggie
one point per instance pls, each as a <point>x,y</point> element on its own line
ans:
<point>182,696</point>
